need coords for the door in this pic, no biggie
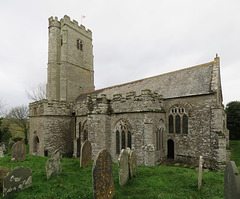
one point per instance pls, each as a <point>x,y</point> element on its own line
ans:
<point>170,149</point>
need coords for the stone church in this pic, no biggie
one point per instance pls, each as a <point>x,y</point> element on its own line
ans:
<point>177,115</point>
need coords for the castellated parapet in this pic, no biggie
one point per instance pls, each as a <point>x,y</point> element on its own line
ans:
<point>66,20</point>
<point>147,101</point>
<point>48,108</point>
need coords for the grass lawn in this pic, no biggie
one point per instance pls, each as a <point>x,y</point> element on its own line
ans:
<point>151,182</point>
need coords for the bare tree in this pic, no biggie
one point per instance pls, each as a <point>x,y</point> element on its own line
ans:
<point>37,93</point>
<point>19,116</point>
<point>2,105</point>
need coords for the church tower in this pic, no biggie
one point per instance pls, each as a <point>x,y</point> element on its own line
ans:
<point>70,60</point>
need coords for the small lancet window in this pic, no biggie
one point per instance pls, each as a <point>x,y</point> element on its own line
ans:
<point>78,44</point>
<point>170,123</point>
<point>123,140</point>
<point>81,45</point>
<point>129,140</point>
<point>117,143</point>
<point>61,40</point>
<point>85,135</point>
<point>177,124</point>
<point>185,124</point>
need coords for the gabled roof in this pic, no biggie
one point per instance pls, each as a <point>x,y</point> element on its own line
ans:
<point>186,82</point>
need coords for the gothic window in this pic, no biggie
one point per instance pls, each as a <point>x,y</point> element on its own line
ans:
<point>178,120</point>
<point>123,140</point>
<point>157,143</point>
<point>159,139</point>
<point>162,139</point>
<point>123,135</point>
<point>170,123</point>
<point>177,124</point>
<point>185,124</point>
<point>129,140</point>
<point>117,143</point>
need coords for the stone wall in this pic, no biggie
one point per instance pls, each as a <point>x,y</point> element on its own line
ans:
<point>70,67</point>
<point>205,124</point>
<point>53,124</point>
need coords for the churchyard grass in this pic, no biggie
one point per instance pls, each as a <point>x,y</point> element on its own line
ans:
<point>150,182</point>
<point>235,151</point>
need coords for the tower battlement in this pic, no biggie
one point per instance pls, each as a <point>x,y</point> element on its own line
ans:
<point>54,22</point>
<point>66,20</point>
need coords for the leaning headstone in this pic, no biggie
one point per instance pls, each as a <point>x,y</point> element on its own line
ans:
<point>132,163</point>
<point>103,185</point>
<point>18,151</point>
<point>200,172</point>
<point>53,164</point>
<point>231,181</point>
<point>123,167</point>
<point>86,154</point>
<point>18,179</point>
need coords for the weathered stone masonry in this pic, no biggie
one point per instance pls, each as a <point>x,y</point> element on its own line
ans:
<point>178,115</point>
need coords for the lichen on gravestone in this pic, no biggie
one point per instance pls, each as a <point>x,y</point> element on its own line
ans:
<point>53,164</point>
<point>18,179</point>
<point>102,172</point>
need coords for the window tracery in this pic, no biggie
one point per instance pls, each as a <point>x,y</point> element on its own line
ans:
<point>178,120</point>
<point>123,133</point>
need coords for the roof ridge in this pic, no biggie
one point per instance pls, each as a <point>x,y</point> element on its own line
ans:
<point>139,80</point>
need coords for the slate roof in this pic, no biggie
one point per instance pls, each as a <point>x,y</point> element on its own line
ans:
<point>186,82</point>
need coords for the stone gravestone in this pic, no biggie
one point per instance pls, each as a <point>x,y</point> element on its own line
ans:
<point>200,172</point>
<point>18,179</point>
<point>123,167</point>
<point>103,185</point>
<point>53,164</point>
<point>18,151</point>
<point>3,149</point>
<point>231,181</point>
<point>132,163</point>
<point>86,154</point>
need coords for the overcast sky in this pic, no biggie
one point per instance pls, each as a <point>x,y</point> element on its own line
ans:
<point>132,39</point>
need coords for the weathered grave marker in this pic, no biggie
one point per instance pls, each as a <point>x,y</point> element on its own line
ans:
<point>86,154</point>
<point>18,179</point>
<point>53,165</point>
<point>18,151</point>
<point>103,185</point>
<point>231,181</point>
<point>133,164</point>
<point>123,167</point>
<point>2,149</point>
<point>200,172</point>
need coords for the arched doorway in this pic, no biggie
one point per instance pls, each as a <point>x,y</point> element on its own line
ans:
<point>36,145</point>
<point>170,149</point>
